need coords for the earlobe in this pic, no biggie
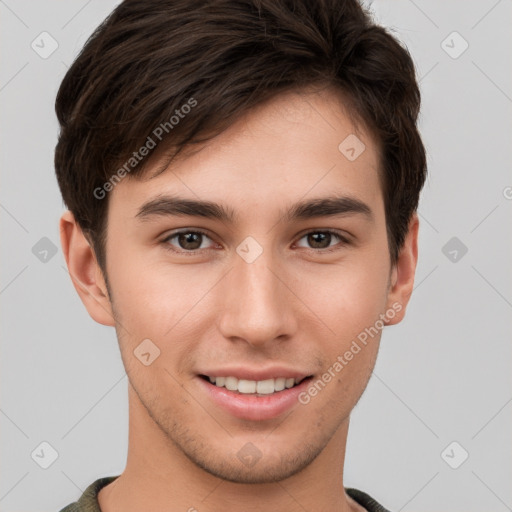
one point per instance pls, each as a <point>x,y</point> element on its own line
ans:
<point>84,270</point>
<point>402,275</point>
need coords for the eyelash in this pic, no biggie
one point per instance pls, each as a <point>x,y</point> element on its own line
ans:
<point>343,241</point>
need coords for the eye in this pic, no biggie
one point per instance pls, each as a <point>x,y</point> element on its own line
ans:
<point>186,240</point>
<point>320,240</point>
<point>191,241</point>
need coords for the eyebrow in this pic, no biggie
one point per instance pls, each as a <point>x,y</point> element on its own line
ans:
<point>333,206</point>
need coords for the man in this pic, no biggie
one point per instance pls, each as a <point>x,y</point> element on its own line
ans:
<point>242,181</point>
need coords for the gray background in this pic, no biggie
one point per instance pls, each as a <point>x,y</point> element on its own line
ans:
<point>443,375</point>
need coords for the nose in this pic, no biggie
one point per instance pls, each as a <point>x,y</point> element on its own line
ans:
<point>258,305</point>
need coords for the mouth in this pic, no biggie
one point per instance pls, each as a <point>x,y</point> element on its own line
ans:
<point>254,400</point>
<point>255,387</point>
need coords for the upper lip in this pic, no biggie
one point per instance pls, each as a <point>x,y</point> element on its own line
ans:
<point>256,373</point>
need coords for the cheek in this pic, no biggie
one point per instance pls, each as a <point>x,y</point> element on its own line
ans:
<point>348,297</point>
<point>350,305</point>
<point>149,295</point>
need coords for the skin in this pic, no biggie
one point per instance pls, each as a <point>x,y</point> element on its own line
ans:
<point>295,305</point>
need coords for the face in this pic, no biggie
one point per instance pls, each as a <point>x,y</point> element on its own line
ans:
<point>259,287</point>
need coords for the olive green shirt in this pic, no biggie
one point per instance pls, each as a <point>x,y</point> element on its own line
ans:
<point>88,502</point>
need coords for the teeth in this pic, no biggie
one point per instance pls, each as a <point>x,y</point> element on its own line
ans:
<point>261,387</point>
<point>247,386</point>
<point>289,383</point>
<point>280,384</point>
<point>231,383</point>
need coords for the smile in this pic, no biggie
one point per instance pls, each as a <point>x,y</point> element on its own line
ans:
<point>251,387</point>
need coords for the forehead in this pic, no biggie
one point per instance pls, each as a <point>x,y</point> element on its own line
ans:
<point>298,144</point>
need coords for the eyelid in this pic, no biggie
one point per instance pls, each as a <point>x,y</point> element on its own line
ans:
<point>341,233</point>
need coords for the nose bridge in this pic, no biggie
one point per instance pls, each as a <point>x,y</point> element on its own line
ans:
<point>257,303</point>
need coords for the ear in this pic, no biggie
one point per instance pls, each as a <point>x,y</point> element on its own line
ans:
<point>84,270</point>
<point>402,274</point>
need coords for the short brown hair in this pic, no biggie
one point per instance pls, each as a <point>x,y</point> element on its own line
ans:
<point>149,58</point>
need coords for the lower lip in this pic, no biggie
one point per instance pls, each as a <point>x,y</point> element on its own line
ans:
<point>253,407</point>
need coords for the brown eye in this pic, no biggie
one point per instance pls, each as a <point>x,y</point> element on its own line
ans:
<point>186,241</point>
<point>321,240</point>
<point>189,241</point>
